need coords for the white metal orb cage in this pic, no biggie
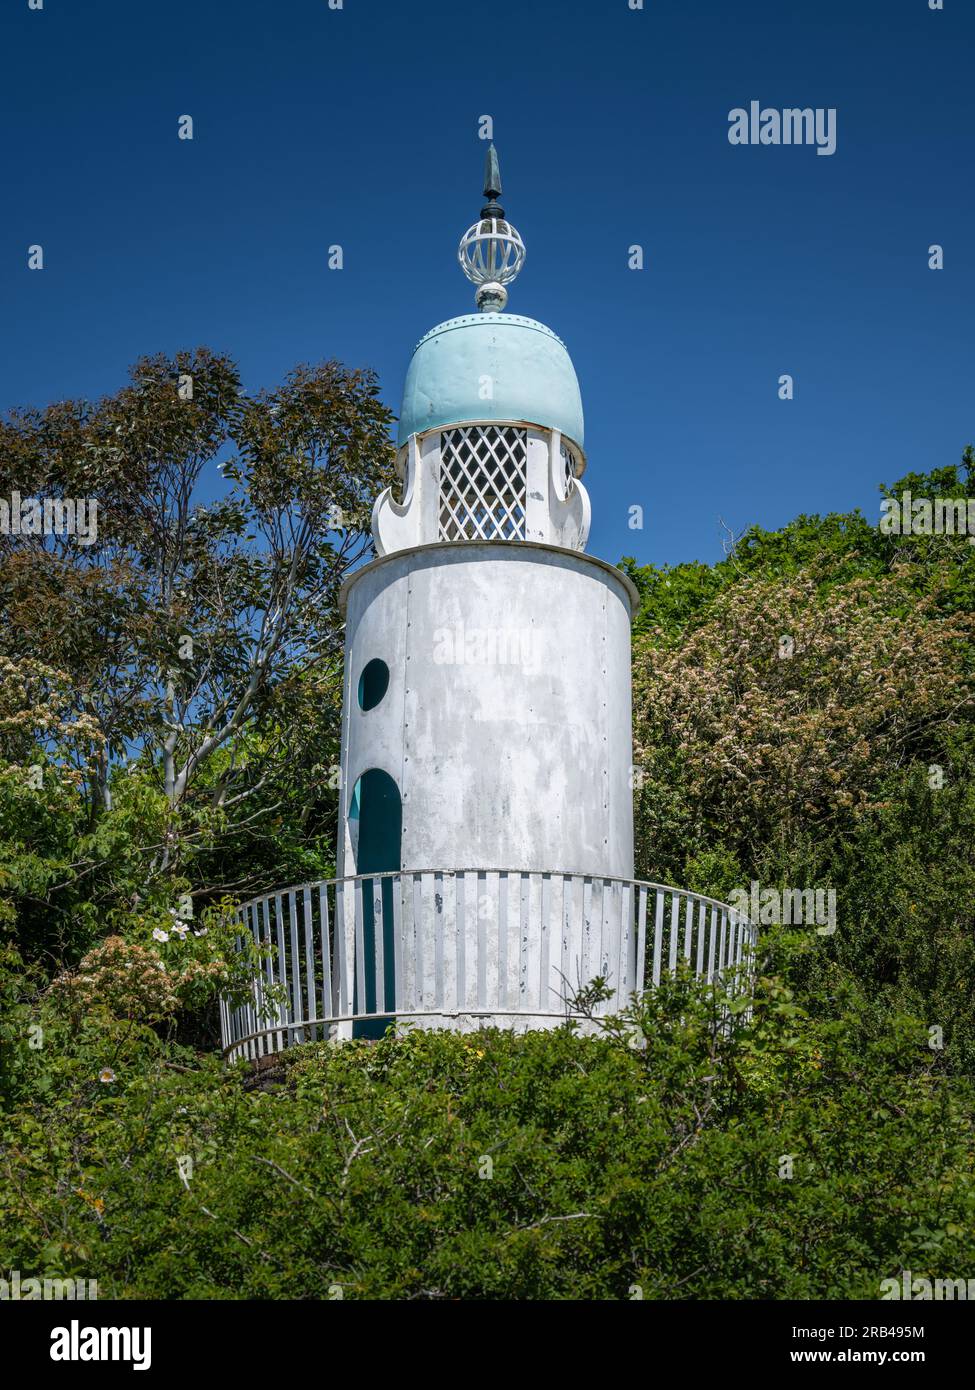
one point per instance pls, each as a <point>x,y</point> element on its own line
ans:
<point>491,251</point>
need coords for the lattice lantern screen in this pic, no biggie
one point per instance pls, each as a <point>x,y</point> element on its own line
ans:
<point>483,483</point>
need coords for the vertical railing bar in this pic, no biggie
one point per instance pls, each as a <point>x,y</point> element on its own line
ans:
<point>460,937</point>
<point>398,992</point>
<point>605,933</point>
<point>275,965</point>
<point>598,968</point>
<point>503,940</point>
<point>558,932</point>
<point>429,919</point>
<point>438,940</point>
<point>360,1006</point>
<point>295,962</point>
<point>701,917</point>
<point>658,933</point>
<point>258,988</point>
<point>546,998</point>
<point>420,944</point>
<point>569,918</point>
<point>701,934</point>
<point>482,901</point>
<point>311,993</point>
<point>585,926</point>
<point>325,938</point>
<point>492,928</point>
<point>339,929</point>
<point>379,944</point>
<point>266,1044</point>
<point>431,929</point>
<point>448,942</point>
<point>639,972</point>
<point>282,979</point>
<point>733,940</point>
<point>711,949</point>
<point>524,917</point>
<point>733,955</point>
<point>265,964</point>
<point>674,931</point>
<point>627,936</point>
<point>735,934</point>
<point>410,996</point>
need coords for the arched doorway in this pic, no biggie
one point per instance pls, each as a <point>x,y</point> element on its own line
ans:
<point>376,831</point>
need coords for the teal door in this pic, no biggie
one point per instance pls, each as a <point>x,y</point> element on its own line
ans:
<point>376,825</point>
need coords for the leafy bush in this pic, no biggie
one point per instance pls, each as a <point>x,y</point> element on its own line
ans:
<point>651,1160</point>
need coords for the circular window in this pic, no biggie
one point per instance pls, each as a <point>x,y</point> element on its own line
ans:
<point>373,683</point>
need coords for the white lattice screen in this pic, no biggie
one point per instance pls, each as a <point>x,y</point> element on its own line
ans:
<point>483,483</point>
<point>569,464</point>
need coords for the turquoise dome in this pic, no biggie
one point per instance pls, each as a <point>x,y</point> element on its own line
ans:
<point>531,371</point>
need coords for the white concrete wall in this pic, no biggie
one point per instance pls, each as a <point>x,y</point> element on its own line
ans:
<point>521,763</point>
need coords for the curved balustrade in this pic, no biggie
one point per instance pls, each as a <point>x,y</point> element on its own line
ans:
<point>464,949</point>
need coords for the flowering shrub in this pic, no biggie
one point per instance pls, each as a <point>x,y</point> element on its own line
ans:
<point>158,970</point>
<point>131,981</point>
<point>788,705</point>
<point>37,706</point>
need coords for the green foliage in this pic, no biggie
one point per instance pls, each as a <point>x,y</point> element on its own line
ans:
<point>201,642</point>
<point>547,1166</point>
<point>842,546</point>
<point>905,884</point>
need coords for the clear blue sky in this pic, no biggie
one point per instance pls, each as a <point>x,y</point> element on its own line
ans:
<point>359,127</point>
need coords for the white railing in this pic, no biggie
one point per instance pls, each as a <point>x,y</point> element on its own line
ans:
<point>464,948</point>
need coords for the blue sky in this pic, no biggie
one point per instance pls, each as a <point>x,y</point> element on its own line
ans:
<point>359,126</point>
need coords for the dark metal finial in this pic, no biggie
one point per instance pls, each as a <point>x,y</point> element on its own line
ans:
<point>492,184</point>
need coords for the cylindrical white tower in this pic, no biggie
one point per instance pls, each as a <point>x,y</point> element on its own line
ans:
<point>486,725</point>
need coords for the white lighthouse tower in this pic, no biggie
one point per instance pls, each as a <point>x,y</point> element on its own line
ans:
<point>485,857</point>
<point>486,736</point>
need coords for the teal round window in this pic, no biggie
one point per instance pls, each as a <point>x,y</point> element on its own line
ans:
<point>373,683</point>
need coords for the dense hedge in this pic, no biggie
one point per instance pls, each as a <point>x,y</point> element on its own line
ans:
<point>796,1157</point>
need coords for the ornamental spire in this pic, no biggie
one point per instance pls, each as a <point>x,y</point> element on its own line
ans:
<point>491,253</point>
<point>492,184</point>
